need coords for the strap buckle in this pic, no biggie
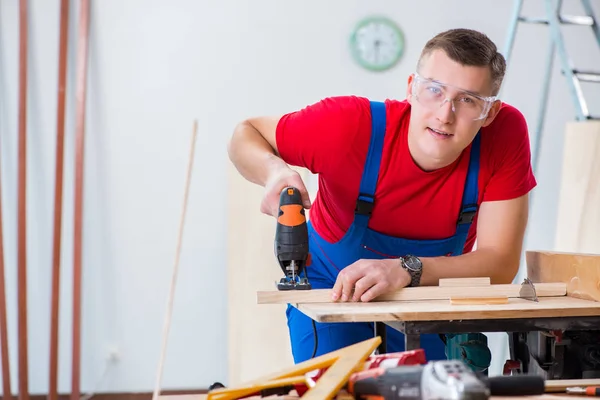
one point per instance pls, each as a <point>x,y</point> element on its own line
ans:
<point>364,204</point>
<point>467,214</point>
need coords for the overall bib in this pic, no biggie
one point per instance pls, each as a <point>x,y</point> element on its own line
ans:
<point>361,242</point>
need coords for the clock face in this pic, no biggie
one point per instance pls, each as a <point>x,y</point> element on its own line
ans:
<point>377,43</point>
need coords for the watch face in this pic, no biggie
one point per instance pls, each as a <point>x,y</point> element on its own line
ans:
<point>412,263</point>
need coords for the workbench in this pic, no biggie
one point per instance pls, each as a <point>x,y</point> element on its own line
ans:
<point>414,318</point>
<point>567,290</point>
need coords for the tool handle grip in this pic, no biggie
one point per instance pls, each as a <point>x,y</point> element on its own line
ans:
<point>592,391</point>
<point>516,385</point>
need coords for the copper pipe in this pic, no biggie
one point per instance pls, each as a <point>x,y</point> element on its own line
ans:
<point>82,50</point>
<point>22,204</point>
<point>58,194</point>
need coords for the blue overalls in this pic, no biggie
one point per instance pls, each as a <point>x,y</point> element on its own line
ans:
<point>358,243</point>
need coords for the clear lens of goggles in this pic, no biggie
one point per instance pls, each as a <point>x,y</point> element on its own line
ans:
<point>433,94</point>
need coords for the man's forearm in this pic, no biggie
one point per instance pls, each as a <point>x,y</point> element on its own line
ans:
<point>252,155</point>
<point>499,267</point>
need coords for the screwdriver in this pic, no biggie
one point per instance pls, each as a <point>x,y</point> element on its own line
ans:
<point>589,391</point>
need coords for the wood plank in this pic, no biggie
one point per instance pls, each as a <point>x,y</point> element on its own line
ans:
<point>413,293</point>
<point>578,214</point>
<point>479,300</point>
<point>440,310</point>
<point>464,282</point>
<point>339,366</point>
<point>580,272</point>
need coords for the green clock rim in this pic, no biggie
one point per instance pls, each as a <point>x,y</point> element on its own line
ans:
<point>353,44</point>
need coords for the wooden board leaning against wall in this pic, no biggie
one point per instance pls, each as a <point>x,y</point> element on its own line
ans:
<point>576,256</point>
<point>258,336</point>
<point>578,221</point>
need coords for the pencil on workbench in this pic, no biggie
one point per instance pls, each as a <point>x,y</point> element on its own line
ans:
<point>589,391</point>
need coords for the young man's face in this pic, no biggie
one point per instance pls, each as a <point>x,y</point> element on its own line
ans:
<point>447,108</point>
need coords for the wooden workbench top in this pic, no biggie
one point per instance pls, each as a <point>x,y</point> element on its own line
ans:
<point>442,310</point>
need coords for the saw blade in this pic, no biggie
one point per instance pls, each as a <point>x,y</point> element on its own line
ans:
<point>528,290</point>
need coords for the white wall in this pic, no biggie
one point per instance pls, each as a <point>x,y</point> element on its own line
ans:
<point>154,67</point>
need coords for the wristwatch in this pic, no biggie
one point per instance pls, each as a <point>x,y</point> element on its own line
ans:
<point>414,266</point>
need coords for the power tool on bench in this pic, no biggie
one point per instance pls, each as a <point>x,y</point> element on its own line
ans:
<point>444,379</point>
<point>291,241</point>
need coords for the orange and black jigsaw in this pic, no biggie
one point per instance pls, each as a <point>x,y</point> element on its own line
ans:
<point>291,241</point>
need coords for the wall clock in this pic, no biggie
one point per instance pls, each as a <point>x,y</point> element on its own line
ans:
<point>377,43</point>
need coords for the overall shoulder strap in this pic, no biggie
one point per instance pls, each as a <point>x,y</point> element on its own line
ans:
<point>368,183</point>
<point>471,192</point>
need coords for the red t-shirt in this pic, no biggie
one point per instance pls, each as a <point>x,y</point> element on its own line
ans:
<point>331,139</point>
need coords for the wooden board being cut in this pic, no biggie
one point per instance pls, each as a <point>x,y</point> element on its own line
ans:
<point>580,272</point>
<point>464,282</point>
<point>440,310</point>
<point>414,293</point>
<point>578,220</point>
<point>478,300</point>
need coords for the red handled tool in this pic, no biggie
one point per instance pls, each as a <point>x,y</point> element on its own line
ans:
<point>588,391</point>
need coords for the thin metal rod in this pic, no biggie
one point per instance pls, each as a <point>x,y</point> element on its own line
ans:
<point>82,53</point>
<point>543,104</point>
<point>58,196</point>
<point>22,205</point>
<point>7,391</point>
<point>573,85</point>
<point>512,29</point>
<point>167,321</point>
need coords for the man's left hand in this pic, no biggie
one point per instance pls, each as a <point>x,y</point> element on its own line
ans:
<point>367,278</point>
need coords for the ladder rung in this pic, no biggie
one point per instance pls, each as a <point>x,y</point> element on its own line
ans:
<point>576,19</point>
<point>564,19</point>
<point>533,20</point>
<point>587,76</point>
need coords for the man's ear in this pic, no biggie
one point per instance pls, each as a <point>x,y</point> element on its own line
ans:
<point>494,109</point>
<point>410,82</point>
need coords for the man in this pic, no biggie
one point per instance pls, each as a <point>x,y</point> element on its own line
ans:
<point>405,187</point>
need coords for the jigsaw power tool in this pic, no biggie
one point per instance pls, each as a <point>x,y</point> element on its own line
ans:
<point>291,241</point>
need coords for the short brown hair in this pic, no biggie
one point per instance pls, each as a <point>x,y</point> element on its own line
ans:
<point>469,47</point>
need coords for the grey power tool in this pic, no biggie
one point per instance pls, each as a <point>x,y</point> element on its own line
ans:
<point>439,380</point>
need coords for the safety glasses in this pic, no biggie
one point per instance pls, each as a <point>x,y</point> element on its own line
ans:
<point>433,95</point>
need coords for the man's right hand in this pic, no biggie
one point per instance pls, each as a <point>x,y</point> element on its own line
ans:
<point>283,177</point>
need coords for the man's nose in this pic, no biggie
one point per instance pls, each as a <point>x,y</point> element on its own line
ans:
<point>446,112</point>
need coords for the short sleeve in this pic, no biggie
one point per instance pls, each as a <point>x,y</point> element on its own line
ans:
<point>319,136</point>
<point>510,157</point>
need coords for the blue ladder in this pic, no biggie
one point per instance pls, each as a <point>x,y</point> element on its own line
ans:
<point>554,19</point>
